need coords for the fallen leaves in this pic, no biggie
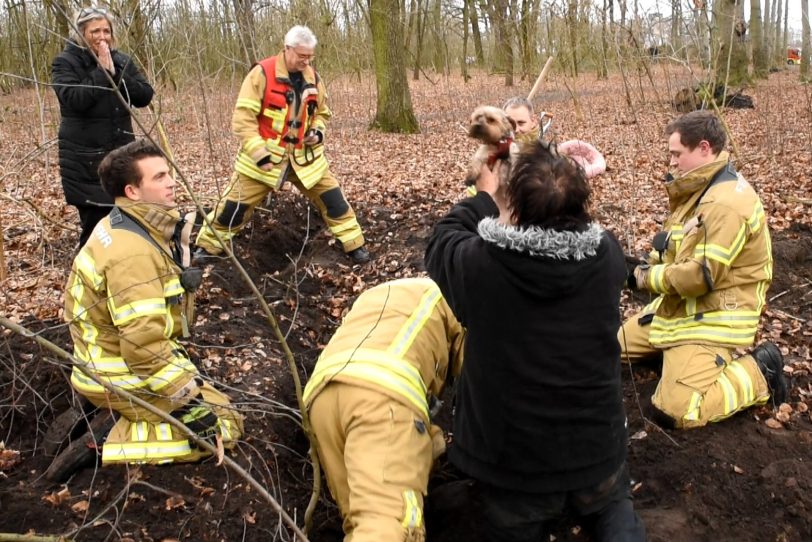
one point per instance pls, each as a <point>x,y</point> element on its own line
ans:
<point>8,458</point>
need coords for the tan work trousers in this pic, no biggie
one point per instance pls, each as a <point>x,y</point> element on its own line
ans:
<point>131,414</point>
<point>376,454</point>
<point>699,383</point>
<point>248,193</point>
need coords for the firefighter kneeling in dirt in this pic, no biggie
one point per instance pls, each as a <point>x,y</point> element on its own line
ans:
<point>368,400</point>
<point>712,266</point>
<point>127,301</point>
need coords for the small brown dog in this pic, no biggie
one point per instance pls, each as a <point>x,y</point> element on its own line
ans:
<point>494,129</point>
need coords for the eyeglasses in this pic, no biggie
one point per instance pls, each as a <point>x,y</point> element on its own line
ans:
<point>305,56</point>
<point>87,14</point>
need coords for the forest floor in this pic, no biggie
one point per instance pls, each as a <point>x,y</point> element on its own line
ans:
<point>747,479</point>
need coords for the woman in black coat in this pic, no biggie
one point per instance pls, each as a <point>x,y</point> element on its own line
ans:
<point>539,419</point>
<point>95,120</point>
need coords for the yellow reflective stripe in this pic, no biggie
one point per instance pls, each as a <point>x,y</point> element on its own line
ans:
<point>377,367</point>
<point>730,336</point>
<point>125,382</point>
<point>136,309</point>
<point>413,515</point>
<point>173,287</point>
<point>471,191</point>
<point>757,217</point>
<point>253,144</point>
<point>312,173</point>
<point>745,382</point>
<point>248,167</point>
<point>415,323</point>
<point>347,231</point>
<point>729,394</point>
<point>654,305</point>
<point>86,267</point>
<point>250,104</point>
<point>147,451</point>
<point>721,254</point>
<point>656,278</point>
<point>169,373</point>
<point>139,431</point>
<point>163,432</point>
<point>104,366</point>
<point>736,318</point>
<point>690,306</point>
<point>693,407</point>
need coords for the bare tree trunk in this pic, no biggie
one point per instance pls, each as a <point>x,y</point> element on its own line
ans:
<point>465,18</point>
<point>504,48</point>
<point>778,56</point>
<point>676,25</point>
<point>421,33</point>
<point>394,109</point>
<point>760,63</point>
<point>785,40</point>
<point>244,10</point>
<point>438,59</point>
<point>731,68</point>
<point>603,65</point>
<point>805,43</point>
<point>572,32</point>
<point>478,51</point>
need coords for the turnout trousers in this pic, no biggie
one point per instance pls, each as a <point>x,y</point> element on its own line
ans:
<point>376,453</point>
<point>699,383</point>
<point>243,194</point>
<point>139,436</point>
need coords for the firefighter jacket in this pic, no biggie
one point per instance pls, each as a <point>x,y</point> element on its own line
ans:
<point>400,338</point>
<point>94,120</point>
<point>122,304</point>
<point>714,273</point>
<point>271,123</point>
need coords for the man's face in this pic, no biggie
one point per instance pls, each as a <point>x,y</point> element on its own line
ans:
<point>157,185</point>
<point>682,159</point>
<point>298,58</point>
<point>525,122</point>
<point>96,32</point>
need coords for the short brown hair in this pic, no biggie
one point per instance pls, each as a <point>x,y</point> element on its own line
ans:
<point>120,167</point>
<point>697,126</point>
<point>548,190</point>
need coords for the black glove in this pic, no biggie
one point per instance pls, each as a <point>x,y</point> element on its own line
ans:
<point>198,417</point>
<point>631,263</point>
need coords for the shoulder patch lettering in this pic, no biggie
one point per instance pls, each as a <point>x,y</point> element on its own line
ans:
<point>103,235</point>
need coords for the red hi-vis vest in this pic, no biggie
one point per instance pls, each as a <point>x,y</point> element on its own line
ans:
<point>280,95</point>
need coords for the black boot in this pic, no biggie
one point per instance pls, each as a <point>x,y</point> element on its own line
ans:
<point>771,362</point>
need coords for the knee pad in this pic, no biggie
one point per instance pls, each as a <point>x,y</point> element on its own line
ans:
<point>233,214</point>
<point>334,202</point>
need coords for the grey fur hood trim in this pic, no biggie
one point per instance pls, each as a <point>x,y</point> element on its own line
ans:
<point>538,241</point>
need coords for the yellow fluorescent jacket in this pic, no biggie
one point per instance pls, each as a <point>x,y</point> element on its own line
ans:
<point>726,232</point>
<point>308,162</point>
<point>400,338</point>
<point>122,304</point>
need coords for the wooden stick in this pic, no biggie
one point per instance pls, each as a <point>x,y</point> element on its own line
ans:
<point>540,79</point>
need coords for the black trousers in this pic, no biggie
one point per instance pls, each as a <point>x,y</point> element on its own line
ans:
<point>89,216</point>
<point>606,511</point>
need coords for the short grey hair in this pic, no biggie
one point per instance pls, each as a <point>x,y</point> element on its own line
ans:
<point>518,101</point>
<point>84,16</point>
<point>300,36</point>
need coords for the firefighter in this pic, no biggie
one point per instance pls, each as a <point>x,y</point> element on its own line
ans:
<point>520,110</point>
<point>712,266</point>
<point>281,118</point>
<point>123,306</point>
<point>371,398</point>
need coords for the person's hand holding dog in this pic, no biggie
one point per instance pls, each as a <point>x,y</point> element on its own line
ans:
<point>488,181</point>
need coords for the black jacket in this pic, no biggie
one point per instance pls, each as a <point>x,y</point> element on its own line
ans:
<point>539,402</point>
<point>94,121</point>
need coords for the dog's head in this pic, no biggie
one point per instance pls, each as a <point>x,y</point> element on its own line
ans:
<point>490,125</point>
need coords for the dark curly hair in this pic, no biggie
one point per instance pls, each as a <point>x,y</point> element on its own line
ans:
<point>120,167</point>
